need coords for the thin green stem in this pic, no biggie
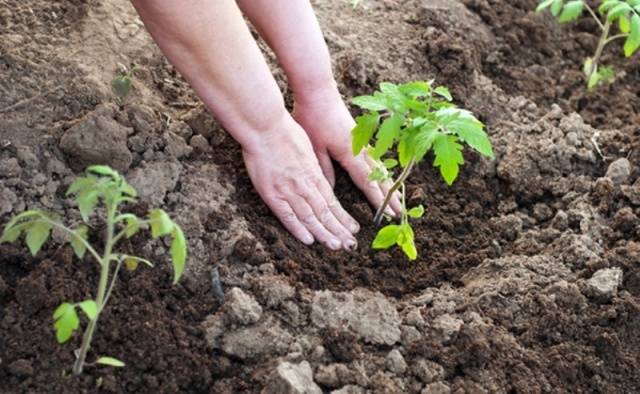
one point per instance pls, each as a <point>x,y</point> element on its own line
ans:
<point>595,17</point>
<point>113,281</point>
<point>405,219</point>
<point>398,183</point>
<point>617,36</point>
<point>601,44</point>
<point>102,288</point>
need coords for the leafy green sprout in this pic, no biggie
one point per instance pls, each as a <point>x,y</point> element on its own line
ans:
<point>624,13</point>
<point>121,84</point>
<point>408,121</point>
<point>103,185</point>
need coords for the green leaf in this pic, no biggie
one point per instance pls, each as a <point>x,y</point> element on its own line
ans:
<point>632,43</point>
<point>390,163</point>
<point>371,103</point>
<point>37,235</point>
<point>160,222</point>
<point>409,248</point>
<point>544,5</point>
<point>416,212</point>
<point>121,85</point>
<point>132,224</point>
<point>556,7</point>
<point>79,234</point>
<point>471,131</point>
<point>178,253</point>
<point>104,171</point>
<point>443,92</point>
<point>131,262</point>
<point>362,133</point>
<point>405,150</point>
<point>423,140</point>
<point>22,215</point>
<point>378,174</point>
<point>624,24</point>
<point>82,183</point>
<point>387,237</point>
<point>128,189</point>
<point>110,361</point>
<point>11,234</point>
<point>65,321</point>
<point>87,200</point>
<point>448,156</point>
<point>607,5</point>
<point>415,89</point>
<point>389,131</point>
<point>90,308</point>
<point>572,11</point>
<point>622,9</point>
<point>594,79</point>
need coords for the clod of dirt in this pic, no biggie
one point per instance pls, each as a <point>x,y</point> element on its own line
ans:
<point>255,342</point>
<point>332,375</point>
<point>395,362</point>
<point>22,368</point>
<point>243,308</point>
<point>350,389</point>
<point>427,371</point>
<point>603,285</point>
<point>7,200</point>
<point>289,378</point>
<point>274,290</point>
<point>176,146</point>
<point>370,315</point>
<point>154,180</point>
<point>436,388</point>
<point>97,139</point>
<point>619,171</point>
<point>199,143</point>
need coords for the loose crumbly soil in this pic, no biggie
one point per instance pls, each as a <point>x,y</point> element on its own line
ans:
<point>499,299</point>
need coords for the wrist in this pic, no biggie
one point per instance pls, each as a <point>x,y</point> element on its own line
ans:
<point>317,92</point>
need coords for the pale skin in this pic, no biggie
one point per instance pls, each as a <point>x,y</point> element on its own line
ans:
<point>288,157</point>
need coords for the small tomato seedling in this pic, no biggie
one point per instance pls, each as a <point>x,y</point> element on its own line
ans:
<point>624,13</point>
<point>408,121</point>
<point>103,185</point>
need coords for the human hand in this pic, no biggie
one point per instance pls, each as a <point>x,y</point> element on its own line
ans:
<point>285,172</point>
<point>328,123</point>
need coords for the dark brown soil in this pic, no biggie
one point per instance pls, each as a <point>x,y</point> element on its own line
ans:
<point>542,331</point>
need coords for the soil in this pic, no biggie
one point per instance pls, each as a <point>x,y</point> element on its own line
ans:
<point>504,296</point>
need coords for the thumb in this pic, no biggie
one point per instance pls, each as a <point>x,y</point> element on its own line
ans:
<point>327,167</point>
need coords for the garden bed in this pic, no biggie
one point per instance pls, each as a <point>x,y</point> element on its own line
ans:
<point>528,278</point>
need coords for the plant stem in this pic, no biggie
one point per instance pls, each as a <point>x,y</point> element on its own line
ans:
<point>601,44</point>
<point>102,289</point>
<point>84,242</point>
<point>405,219</point>
<point>595,17</point>
<point>377,219</point>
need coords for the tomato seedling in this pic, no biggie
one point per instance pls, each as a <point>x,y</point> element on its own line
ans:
<point>103,185</point>
<point>624,13</point>
<point>121,84</point>
<point>408,121</point>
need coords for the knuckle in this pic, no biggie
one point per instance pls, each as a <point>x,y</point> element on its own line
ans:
<point>309,219</point>
<point>288,218</point>
<point>325,215</point>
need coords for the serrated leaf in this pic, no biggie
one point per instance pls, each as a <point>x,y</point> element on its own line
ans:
<point>110,361</point>
<point>65,321</point>
<point>90,308</point>
<point>471,132</point>
<point>632,43</point>
<point>387,134</point>
<point>405,150</point>
<point>371,103</point>
<point>160,223</point>
<point>79,234</point>
<point>448,156</point>
<point>22,215</point>
<point>416,212</point>
<point>607,5</point>
<point>386,237</point>
<point>81,183</point>
<point>572,11</point>
<point>11,234</point>
<point>423,140</point>
<point>87,200</point>
<point>415,89</point>
<point>37,235</point>
<point>442,91</point>
<point>366,125</point>
<point>128,189</point>
<point>132,225</point>
<point>178,253</point>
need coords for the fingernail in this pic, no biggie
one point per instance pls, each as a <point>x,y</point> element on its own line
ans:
<point>351,244</point>
<point>334,244</point>
<point>355,227</point>
<point>308,240</point>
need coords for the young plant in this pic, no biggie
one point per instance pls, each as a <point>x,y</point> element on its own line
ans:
<point>624,13</point>
<point>121,84</point>
<point>103,185</point>
<point>408,121</point>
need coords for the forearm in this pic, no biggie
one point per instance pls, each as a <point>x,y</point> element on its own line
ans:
<point>211,46</point>
<point>292,31</point>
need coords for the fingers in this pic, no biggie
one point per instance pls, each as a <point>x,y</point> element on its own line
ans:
<point>343,216</point>
<point>359,168</point>
<point>327,168</point>
<point>290,220</point>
